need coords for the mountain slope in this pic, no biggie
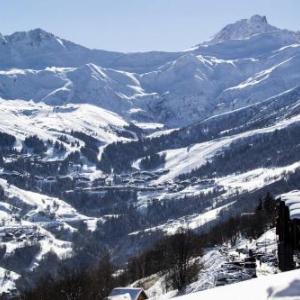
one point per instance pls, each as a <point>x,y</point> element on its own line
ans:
<point>38,49</point>
<point>103,150</point>
<point>245,63</point>
<point>23,118</point>
<point>244,29</point>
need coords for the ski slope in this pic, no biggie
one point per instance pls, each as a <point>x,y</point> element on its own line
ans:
<point>24,118</point>
<point>193,221</point>
<point>184,160</point>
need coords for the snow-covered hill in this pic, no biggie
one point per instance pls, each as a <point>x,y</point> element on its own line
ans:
<point>281,286</point>
<point>214,271</point>
<point>24,118</point>
<point>105,88</point>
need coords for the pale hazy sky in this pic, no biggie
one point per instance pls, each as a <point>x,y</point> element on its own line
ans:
<point>139,25</point>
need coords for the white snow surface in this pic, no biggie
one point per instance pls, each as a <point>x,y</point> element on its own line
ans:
<point>284,286</point>
<point>7,279</point>
<point>24,118</point>
<point>33,214</point>
<point>244,29</point>
<point>245,63</point>
<point>211,266</point>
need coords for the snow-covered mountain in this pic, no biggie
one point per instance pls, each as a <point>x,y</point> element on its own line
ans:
<point>115,149</point>
<point>246,62</point>
<point>38,49</point>
<point>105,88</point>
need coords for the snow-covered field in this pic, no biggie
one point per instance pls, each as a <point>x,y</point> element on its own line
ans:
<point>24,118</point>
<point>285,286</point>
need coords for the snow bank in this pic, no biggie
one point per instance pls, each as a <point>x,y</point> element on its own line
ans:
<point>285,286</point>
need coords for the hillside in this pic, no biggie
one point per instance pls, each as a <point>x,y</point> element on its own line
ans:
<point>103,151</point>
<point>281,286</point>
<point>245,63</point>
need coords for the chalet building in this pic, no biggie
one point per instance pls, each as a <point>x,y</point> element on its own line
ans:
<point>124,293</point>
<point>288,230</point>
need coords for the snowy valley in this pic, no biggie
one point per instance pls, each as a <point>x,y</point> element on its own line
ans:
<point>110,152</point>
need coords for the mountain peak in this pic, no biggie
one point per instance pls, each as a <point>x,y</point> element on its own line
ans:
<point>244,29</point>
<point>40,32</point>
<point>35,38</point>
<point>34,34</point>
<point>258,19</point>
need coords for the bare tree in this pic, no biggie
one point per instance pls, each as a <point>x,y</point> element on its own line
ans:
<point>182,270</point>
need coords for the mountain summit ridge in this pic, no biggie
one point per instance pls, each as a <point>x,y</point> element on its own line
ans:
<point>241,29</point>
<point>244,28</point>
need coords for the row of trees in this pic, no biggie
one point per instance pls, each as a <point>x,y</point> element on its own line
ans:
<point>94,283</point>
<point>153,161</point>
<point>7,140</point>
<point>171,256</point>
<point>35,143</point>
<point>91,148</point>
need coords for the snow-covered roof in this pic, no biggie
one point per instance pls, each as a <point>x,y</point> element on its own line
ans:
<point>120,297</point>
<point>292,201</point>
<point>133,293</point>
